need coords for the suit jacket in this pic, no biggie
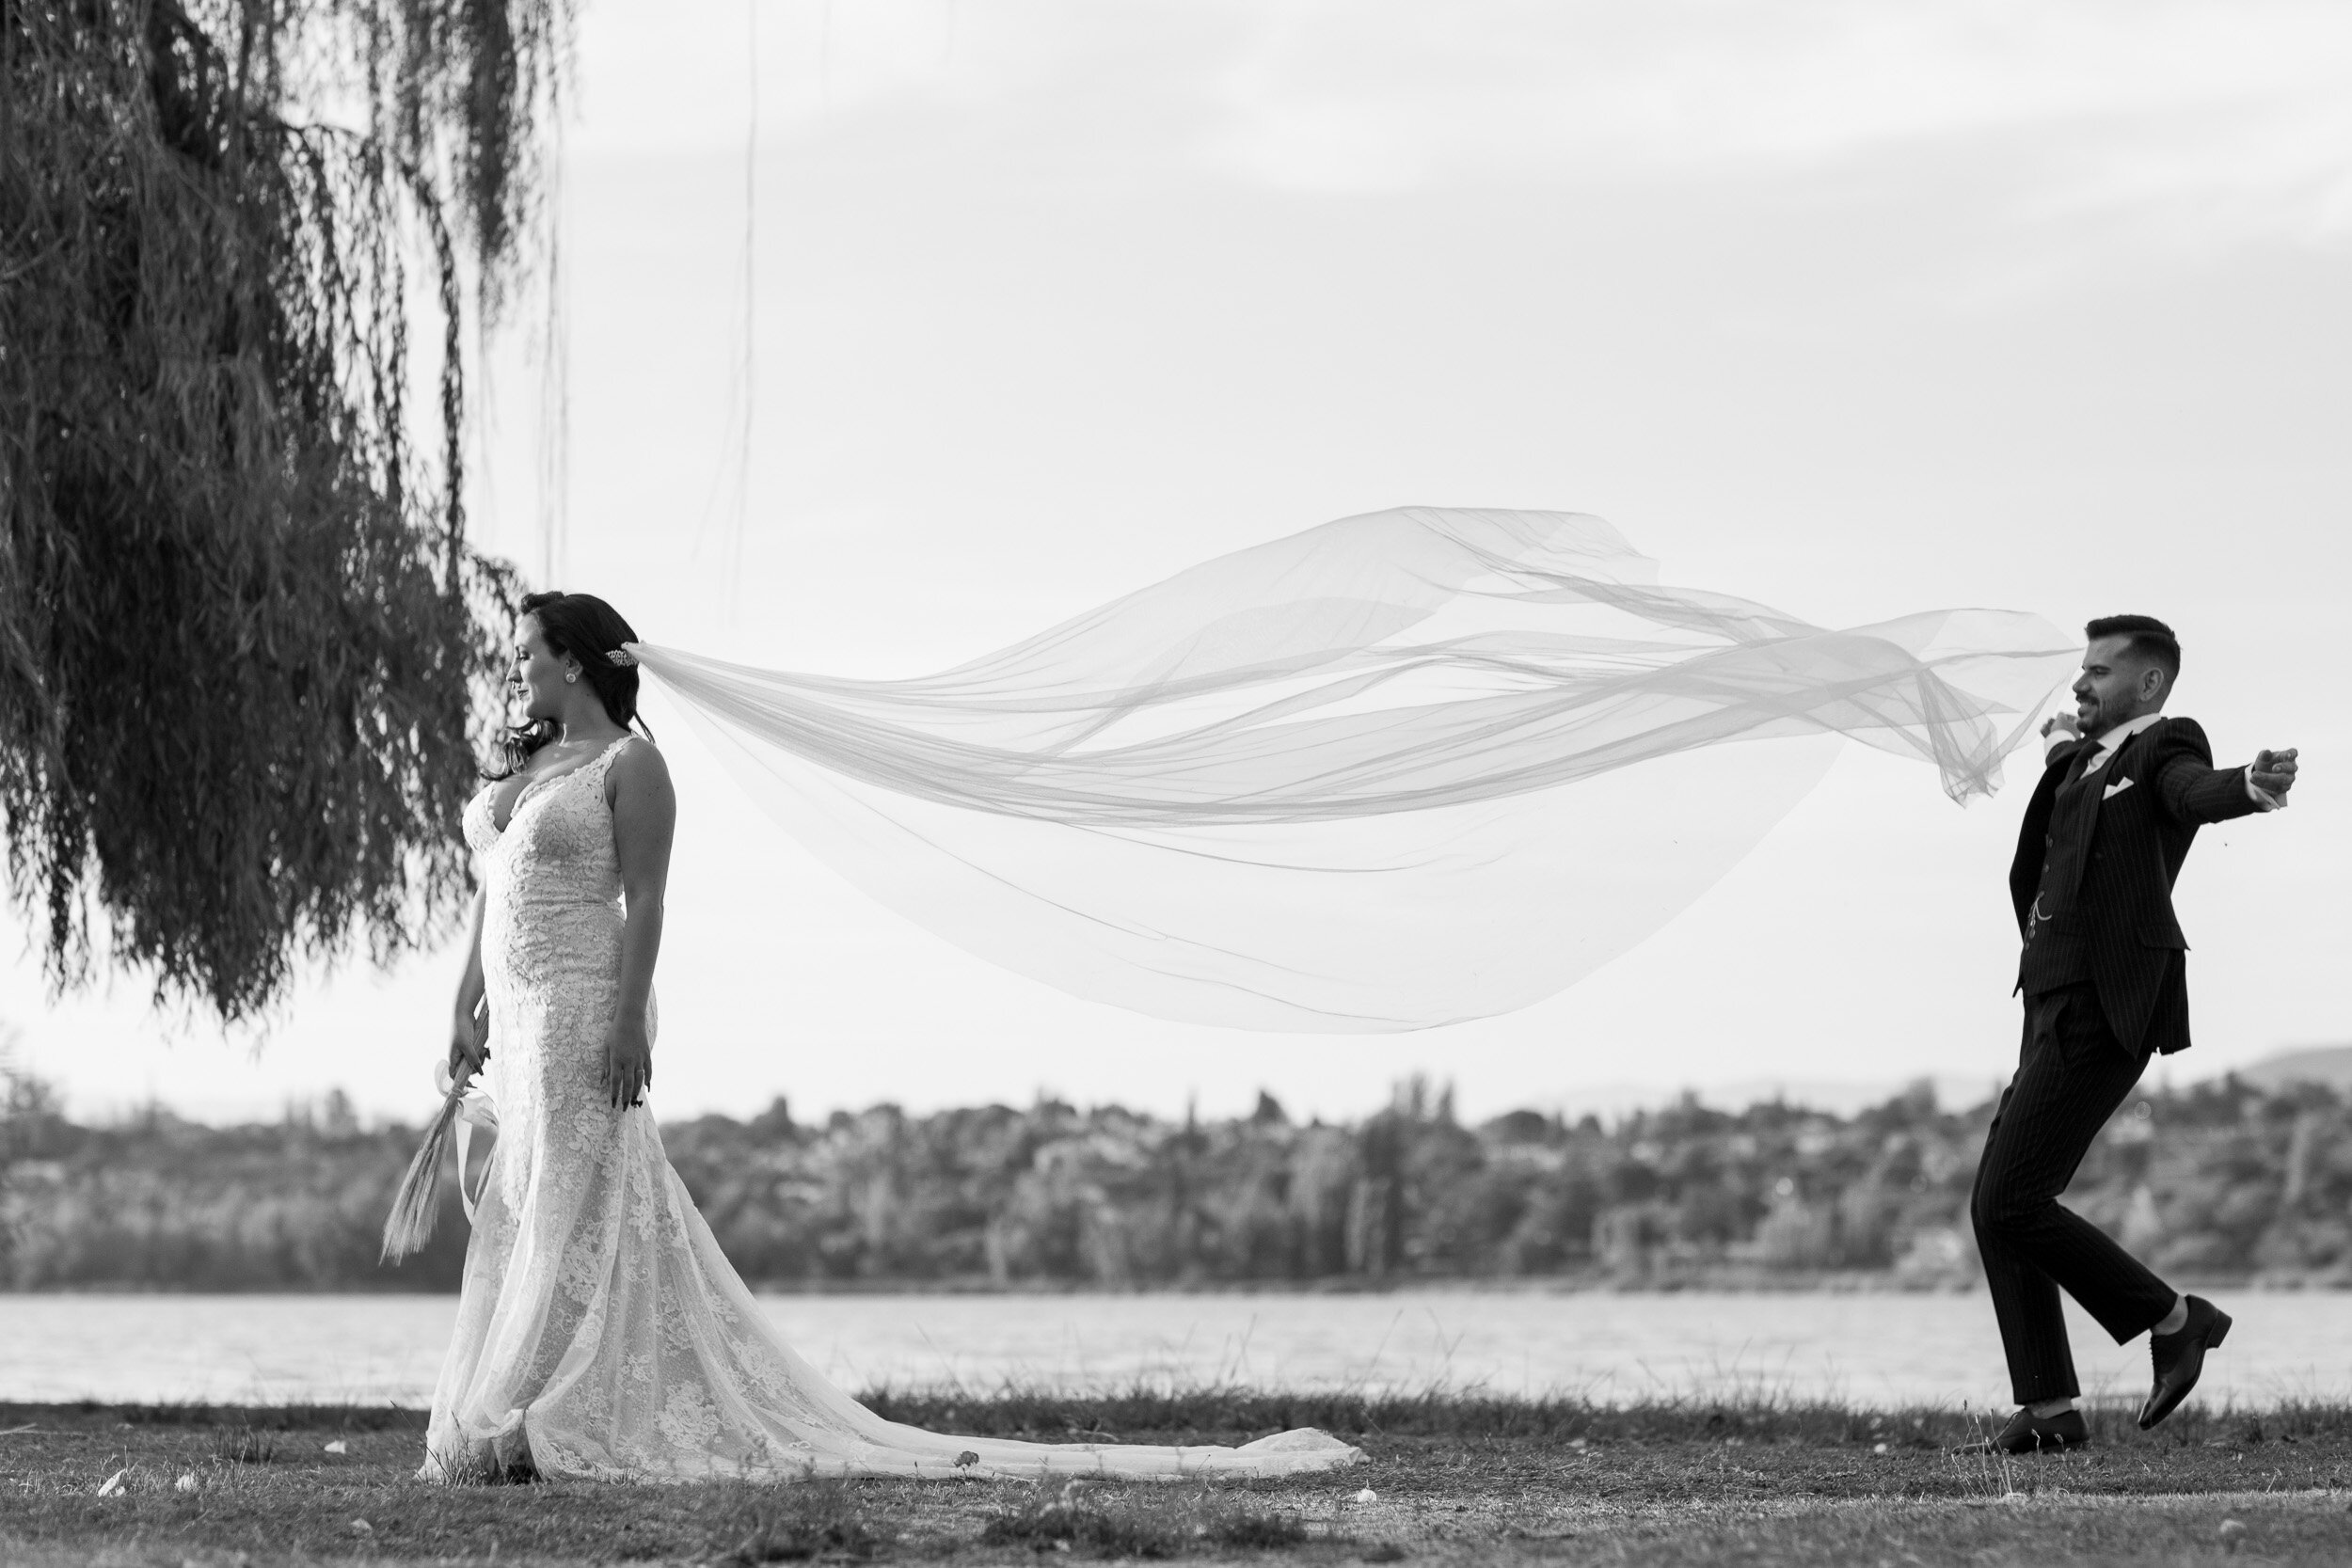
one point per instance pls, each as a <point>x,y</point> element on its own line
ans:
<point>2155,793</point>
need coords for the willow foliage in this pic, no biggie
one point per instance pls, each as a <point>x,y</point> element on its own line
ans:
<point>242,639</point>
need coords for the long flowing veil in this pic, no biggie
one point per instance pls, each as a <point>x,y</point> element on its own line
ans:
<point>1401,770</point>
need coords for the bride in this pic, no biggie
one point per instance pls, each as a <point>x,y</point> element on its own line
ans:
<point>601,1333</point>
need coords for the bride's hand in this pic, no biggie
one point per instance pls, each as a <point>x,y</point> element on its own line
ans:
<point>467,1048</point>
<point>627,1063</point>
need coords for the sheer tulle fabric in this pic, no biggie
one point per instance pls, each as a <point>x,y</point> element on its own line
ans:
<point>1401,770</point>
<point>600,1331</point>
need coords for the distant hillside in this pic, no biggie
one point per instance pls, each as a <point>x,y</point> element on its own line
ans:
<point>2331,1064</point>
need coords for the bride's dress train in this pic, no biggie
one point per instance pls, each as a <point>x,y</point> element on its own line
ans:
<point>601,1333</point>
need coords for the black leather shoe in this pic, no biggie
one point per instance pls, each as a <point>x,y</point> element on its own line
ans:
<point>2027,1432</point>
<point>2181,1358</point>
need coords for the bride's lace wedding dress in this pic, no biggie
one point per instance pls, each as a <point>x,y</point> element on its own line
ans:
<point>601,1332</point>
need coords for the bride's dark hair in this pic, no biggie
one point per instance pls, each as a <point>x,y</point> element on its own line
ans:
<point>584,628</point>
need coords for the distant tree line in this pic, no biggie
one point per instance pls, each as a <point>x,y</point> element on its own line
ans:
<point>2221,1180</point>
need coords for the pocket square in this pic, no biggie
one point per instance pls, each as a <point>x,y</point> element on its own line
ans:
<point>2117,788</point>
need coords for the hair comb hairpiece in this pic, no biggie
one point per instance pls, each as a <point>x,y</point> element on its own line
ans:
<point>621,657</point>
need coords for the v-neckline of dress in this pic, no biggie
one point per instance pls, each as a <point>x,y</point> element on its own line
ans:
<point>541,785</point>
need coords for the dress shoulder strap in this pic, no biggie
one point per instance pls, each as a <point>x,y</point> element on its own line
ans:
<point>603,764</point>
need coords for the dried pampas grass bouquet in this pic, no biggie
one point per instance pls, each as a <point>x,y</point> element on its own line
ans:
<point>409,1225</point>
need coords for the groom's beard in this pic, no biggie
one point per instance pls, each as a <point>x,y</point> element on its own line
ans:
<point>2094,718</point>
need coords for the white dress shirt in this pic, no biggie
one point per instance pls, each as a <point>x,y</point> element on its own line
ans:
<point>2111,739</point>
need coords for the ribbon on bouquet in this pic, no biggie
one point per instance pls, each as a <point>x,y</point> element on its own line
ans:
<point>475,1110</point>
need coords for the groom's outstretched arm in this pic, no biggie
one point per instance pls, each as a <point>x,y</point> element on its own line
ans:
<point>2195,792</point>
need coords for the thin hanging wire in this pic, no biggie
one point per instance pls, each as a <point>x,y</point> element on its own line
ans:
<point>555,382</point>
<point>728,499</point>
<point>482,432</point>
<point>749,344</point>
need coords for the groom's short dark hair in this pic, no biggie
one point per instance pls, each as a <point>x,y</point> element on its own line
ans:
<point>2150,640</point>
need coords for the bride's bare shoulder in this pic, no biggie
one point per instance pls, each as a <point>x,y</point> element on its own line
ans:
<point>637,763</point>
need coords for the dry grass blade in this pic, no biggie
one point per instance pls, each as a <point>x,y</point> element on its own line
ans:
<point>409,1225</point>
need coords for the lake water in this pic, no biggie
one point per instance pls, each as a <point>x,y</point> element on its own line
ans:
<point>1863,1348</point>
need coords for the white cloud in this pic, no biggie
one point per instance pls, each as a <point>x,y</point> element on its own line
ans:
<point>2238,113</point>
<point>2207,116</point>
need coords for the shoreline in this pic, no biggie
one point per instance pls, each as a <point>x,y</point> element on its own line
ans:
<point>1763,1415</point>
<point>1859,1283</point>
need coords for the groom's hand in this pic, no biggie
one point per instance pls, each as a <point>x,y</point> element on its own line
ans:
<point>2062,721</point>
<point>2274,771</point>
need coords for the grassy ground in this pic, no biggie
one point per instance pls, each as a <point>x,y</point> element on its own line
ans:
<point>1456,1479</point>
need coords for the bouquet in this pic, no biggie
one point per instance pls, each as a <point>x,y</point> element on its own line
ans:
<point>410,1223</point>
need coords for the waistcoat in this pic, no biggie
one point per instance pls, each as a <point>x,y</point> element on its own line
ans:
<point>2057,948</point>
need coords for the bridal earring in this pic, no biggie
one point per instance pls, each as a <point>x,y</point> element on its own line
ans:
<point>570,675</point>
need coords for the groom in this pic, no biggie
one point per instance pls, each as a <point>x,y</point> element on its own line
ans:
<point>2122,796</point>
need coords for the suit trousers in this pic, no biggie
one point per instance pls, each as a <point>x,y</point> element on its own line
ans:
<point>2072,1073</point>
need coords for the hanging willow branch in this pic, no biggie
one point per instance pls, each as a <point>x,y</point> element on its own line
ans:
<point>243,639</point>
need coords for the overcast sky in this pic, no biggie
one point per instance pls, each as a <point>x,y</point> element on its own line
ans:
<point>1853,309</point>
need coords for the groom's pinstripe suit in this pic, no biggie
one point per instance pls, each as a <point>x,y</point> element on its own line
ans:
<point>2104,972</point>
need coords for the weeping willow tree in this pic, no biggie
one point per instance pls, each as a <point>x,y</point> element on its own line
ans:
<point>244,645</point>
